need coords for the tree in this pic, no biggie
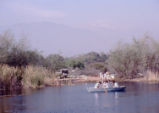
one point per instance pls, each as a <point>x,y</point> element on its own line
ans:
<point>128,60</point>
<point>74,63</point>
<point>6,44</point>
<point>16,52</point>
<point>35,58</point>
<point>17,58</point>
<point>55,62</point>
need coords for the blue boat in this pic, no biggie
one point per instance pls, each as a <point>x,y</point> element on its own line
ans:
<point>100,90</point>
<point>116,89</point>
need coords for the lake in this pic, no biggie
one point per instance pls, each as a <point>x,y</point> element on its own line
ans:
<point>138,98</point>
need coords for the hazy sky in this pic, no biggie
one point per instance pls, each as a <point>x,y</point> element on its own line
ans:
<point>132,17</point>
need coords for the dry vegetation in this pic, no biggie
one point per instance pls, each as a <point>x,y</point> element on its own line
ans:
<point>28,77</point>
<point>37,76</point>
<point>151,76</point>
<point>137,58</point>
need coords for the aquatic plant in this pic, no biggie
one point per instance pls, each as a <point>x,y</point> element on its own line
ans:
<point>37,76</point>
<point>28,77</point>
<point>151,76</point>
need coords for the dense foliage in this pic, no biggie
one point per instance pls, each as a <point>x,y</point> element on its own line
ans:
<point>129,60</point>
<point>55,62</point>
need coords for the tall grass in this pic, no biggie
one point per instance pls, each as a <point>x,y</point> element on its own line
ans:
<point>37,76</point>
<point>10,77</point>
<point>29,77</point>
<point>151,76</point>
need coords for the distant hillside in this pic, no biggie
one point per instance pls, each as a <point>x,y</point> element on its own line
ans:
<point>57,38</point>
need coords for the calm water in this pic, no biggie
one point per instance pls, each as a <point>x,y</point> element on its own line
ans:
<point>138,98</point>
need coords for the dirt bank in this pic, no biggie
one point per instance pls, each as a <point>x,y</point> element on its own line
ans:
<point>69,81</point>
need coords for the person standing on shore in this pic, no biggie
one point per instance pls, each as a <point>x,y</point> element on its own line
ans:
<point>106,76</point>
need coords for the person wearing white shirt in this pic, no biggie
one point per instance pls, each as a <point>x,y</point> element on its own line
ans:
<point>101,75</point>
<point>105,76</point>
<point>97,85</point>
<point>105,85</point>
<point>110,84</point>
<point>116,84</point>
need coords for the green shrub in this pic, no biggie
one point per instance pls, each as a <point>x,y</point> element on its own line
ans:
<point>55,62</point>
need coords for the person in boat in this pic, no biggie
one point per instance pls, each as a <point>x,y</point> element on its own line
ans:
<point>105,84</point>
<point>97,85</point>
<point>116,84</point>
<point>110,84</point>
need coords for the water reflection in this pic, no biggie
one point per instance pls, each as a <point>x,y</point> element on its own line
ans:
<point>96,99</point>
<point>10,92</point>
<point>116,95</point>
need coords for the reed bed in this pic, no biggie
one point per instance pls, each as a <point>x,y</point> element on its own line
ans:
<point>151,76</point>
<point>37,77</point>
<point>28,77</point>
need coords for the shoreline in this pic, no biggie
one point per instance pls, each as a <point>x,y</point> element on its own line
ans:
<point>87,79</point>
<point>70,81</point>
<point>141,80</point>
